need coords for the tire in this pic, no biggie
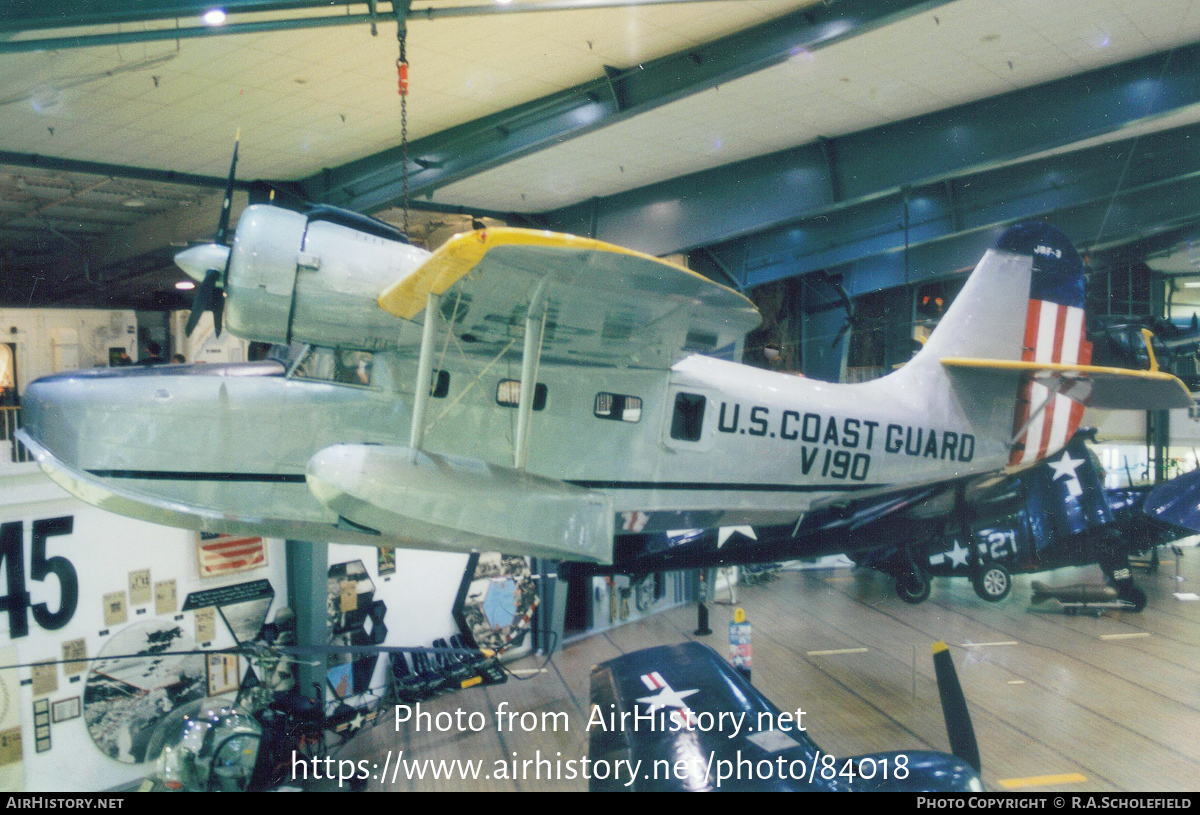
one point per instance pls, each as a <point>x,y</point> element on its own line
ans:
<point>994,583</point>
<point>1136,596</point>
<point>913,588</point>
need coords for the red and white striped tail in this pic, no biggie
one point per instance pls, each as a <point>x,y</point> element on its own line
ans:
<point>1053,333</point>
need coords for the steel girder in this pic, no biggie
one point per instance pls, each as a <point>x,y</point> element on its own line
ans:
<point>1170,205</point>
<point>835,176</point>
<point>41,15</point>
<point>1161,168</point>
<point>375,182</point>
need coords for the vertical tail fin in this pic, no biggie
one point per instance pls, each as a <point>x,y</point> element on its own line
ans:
<point>1022,303</point>
<point>1054,332</point>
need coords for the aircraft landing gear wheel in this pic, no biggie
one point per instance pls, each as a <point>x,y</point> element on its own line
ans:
<point>913,588</point>
<point>1136,596</point>
<point>994,583</point>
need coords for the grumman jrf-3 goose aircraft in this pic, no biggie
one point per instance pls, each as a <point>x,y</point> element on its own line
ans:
<point>538,394</point>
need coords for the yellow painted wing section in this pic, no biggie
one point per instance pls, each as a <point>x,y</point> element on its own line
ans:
<point>603,304</point>
<point>461,254</point>
<point>1093,385</point>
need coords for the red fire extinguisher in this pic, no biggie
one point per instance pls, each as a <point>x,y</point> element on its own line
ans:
<point>739,643</point>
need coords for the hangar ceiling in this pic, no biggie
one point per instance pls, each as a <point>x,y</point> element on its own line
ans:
<point>886,139</point>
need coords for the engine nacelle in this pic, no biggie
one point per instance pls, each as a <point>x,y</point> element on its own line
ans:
<point>305,278</point>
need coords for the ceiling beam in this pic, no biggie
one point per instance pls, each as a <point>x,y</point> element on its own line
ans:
<point>1108,174</point>
<point>42,15</point>
<point>186,18</point>
<point>70,165</point>
<point>459,152</point>
<point>1133,216</point>
<point>784,188</point>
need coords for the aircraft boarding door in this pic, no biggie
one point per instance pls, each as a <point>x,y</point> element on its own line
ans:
<point>691,420</point>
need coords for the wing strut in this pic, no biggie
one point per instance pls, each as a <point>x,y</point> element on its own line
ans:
<point>535,324</point>
<point>424,374</point>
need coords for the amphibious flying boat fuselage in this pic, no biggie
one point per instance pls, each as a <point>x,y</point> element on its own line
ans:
<point>228,447</point>
<point>533,393</point>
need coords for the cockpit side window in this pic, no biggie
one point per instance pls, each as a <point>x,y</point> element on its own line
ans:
<point>338,365</point>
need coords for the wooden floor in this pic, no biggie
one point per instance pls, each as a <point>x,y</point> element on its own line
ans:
<point>1068,699</point>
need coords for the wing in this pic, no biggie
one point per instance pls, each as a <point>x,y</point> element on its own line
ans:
<point>679,718</point>
<point>1176,501</point>
<point>655,692</point>
<point>1092,385</point>
<point>603,303</point>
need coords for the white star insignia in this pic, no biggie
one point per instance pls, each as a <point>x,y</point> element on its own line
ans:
<point>726,532</point>
<point>1065,467</point>
<point>667,697</point>
<point>958,555</point>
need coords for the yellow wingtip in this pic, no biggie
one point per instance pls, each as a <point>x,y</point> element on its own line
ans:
<point>940,646</point>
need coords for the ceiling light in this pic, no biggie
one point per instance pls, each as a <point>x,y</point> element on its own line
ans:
<point>214,16</point>
<point>133,203</point>
<point>185,285</point>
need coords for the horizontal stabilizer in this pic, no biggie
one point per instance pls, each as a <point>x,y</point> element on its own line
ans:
<point>458,504</point>
<point>1092,385</point>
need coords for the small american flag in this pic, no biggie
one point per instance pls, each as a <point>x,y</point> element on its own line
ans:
<point>226,554</point>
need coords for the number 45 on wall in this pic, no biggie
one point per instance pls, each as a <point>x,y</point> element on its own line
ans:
<point>12,560</point>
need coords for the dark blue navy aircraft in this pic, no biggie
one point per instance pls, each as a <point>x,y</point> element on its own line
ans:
<point>1054,514</point>
<point>679,718</point>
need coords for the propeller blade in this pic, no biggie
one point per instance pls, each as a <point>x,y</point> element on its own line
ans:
<point>841,333</point>
<point>206,297</point>
<point>954,707</point>
<point>218,309</point>
<point>227,203</point>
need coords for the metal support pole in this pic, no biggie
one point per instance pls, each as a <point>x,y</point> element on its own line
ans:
<point>550,617</point>
<point>529,355</point>
<point>424,375</point>
<point>703,585</point>
<point>1162,444</point>
<point>307,578</point>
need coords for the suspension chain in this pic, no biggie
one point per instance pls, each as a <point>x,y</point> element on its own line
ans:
<point>402,87</point>
<point>402,76</point>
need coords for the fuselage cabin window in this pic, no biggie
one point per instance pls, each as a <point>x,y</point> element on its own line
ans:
<point>439,385</point>
<point>508,394</point>
<point>688,421</point>
<point>618,407</point>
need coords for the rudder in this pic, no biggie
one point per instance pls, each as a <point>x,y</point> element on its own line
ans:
<point>1055,332</point>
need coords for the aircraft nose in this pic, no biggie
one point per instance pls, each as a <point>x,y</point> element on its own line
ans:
<point>199,260</point>
<point>79,414</point>
<point>46,416</point>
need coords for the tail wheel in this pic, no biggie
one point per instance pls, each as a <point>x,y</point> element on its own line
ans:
<point>1135,596</point>
<point>913,588</point>
<point>994,583</point>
